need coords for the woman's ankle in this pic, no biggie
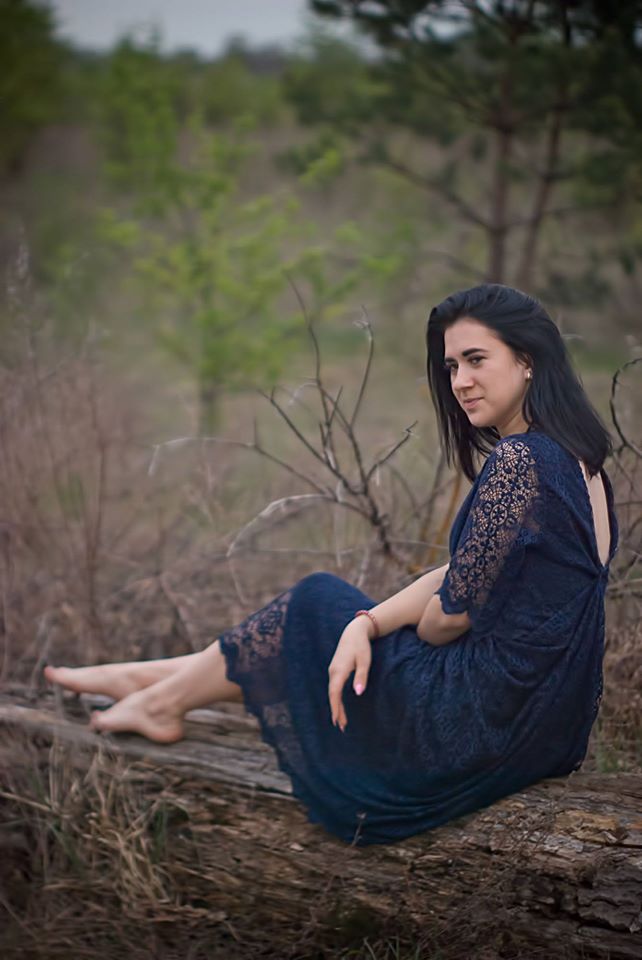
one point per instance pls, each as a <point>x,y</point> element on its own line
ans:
<point>166,698</point>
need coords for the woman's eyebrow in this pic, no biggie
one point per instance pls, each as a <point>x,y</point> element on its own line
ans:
<point>467,353</point>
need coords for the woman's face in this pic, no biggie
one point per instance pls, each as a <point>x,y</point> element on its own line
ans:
<point>483,368</point>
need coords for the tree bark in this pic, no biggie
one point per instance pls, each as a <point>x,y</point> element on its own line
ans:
<point>209,395</point>
<point>503,124</point>
<point>548,176</point>
<point>542,196</point>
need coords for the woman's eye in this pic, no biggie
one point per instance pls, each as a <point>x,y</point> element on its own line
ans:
<point>451,368</point>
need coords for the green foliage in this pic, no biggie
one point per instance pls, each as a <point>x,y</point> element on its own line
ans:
<point>416,93</point>
<point>211,266</point>
<point>611,111</point>
<point>213,261</point>
<point>30,72</point>
<point>225,91</point>
<point>329,82</point>
<point>325,166</point>
<point>228,90</point>
<point>138,121</point>
<point>210,263</point>
<point>319,161</point>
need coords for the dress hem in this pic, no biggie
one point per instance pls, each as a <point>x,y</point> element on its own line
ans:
<point>299,791</point>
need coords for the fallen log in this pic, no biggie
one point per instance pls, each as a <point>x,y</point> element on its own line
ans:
<point>207,831</point>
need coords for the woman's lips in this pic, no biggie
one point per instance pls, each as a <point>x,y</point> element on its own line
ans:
<point>469,404</point>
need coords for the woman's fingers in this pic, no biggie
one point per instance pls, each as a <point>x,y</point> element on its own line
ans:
<point>335,689</point>
<point>353,655</point>
<point>362,668</point>
<point>335,692</point>
<point>361,677</point>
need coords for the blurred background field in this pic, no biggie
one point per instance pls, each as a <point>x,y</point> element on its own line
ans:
<point>208,253</point>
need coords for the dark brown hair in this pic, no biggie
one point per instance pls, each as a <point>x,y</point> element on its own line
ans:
<point>555,402</point>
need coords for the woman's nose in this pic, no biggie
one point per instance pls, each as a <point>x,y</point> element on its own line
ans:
<point>462,379</point>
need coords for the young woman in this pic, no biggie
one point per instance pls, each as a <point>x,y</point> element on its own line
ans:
<point>481,677</point>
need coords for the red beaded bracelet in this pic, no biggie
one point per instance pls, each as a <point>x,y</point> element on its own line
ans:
<point>371,617</point>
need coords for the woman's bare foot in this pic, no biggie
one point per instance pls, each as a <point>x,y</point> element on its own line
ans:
<point>116,680</point>
<point>110,679</point>
<point>141,712</point>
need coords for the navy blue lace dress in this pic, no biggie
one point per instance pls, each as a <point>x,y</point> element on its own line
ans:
<point>442,731</point>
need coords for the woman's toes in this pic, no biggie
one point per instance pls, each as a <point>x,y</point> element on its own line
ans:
<point>63,676</point>
<point>94,720</point>
<point>111,680</point>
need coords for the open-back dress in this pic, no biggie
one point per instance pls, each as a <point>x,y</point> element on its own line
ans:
<point>441,731</point>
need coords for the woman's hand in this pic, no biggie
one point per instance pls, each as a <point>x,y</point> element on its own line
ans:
<point>353,653</point>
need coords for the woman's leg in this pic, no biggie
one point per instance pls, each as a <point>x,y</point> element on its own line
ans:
<point>116,680</point>
<point>157,711</point>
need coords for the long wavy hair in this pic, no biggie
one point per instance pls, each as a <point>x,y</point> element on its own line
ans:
<point>555,402</point>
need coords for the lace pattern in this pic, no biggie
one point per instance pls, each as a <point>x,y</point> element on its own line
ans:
<point>278,718</point>
<point>501,515</point>
<point>256,662</point>
<point>259,636</point>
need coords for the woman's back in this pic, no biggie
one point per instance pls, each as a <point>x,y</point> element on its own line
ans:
<point>599,504</point>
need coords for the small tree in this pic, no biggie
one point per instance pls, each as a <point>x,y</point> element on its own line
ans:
<point>215,260</point>
<point>30,73</point>
<point>503,84</point>
<point>210,262</point>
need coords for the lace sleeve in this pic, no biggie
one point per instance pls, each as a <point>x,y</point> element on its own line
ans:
<point>499,524</point>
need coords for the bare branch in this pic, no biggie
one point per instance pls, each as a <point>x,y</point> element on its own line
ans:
<point>282,506</point>
<point>435,186</point>
<point>329,452</point>
<point>379,463</point>
<point>614,383</point>
<point>399,477</point>
<point>255,446</point>
<point>364,324</point>
<point>300,436</point>
<point>558,212</point>
<point>356,495</point>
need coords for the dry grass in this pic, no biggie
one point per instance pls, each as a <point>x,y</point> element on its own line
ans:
<point>110,857</point>
<point>104,560</point>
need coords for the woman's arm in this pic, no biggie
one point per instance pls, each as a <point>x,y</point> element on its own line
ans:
<point>416,604</point>
<point>437,627</point>
<point>408,605</point>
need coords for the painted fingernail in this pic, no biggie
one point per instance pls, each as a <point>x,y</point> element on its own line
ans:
<point>359,688</point>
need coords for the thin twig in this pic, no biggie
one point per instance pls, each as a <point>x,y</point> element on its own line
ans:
<point>436,186</point>
<point>614,383</point>
<point>397,446</point>
<point>364,324</point>
<point>255,446</point>
<point>328,442</point>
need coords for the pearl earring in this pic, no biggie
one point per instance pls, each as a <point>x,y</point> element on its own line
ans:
<point>528,374</point>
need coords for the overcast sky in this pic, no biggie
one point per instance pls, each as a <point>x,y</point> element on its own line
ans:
<point>202,25</point>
